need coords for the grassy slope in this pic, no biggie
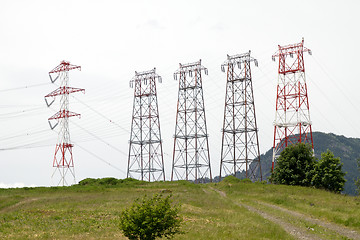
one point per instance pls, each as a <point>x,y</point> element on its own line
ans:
<point>92,212</point>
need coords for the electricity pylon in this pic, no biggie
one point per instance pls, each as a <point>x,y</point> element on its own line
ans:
<point>191,157</point>
<point>292,119</point>
<point>145,160</point>
<point>63,159</point>
<point>240,143</point>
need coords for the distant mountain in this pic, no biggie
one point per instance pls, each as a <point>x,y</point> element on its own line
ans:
<point>348,149</point>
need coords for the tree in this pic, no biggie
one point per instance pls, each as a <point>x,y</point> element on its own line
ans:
<point>328,174</point>
<point>151,218</point>
<point>295,166</point>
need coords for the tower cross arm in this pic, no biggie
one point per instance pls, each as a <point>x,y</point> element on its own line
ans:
<point>291,49</point>
<point>238,59</point>
<point>64,66</point>
<point>190,68</point>
<point>145,76</point>
<point>63,114</point>
<point>64,90</point>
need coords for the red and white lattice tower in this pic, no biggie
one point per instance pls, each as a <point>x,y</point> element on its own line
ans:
<point>145,160</point>
<point>63,159</point>
<point>240,153</point>
<point>292,119</point>
<point>191,158</point>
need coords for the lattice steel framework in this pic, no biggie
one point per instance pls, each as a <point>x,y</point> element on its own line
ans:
<point>145,160</point>
<point>292,119</point>
<point>191,157</point>
<point>63,159</point>
<point>240,143</point>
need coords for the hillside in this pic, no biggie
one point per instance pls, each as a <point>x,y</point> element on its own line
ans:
<point>227,210</point>
<point>348,149</point>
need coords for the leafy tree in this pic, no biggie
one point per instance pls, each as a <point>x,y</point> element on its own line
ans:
<point>295,166</point>
<point>328,174</point>
<point>151,218</point>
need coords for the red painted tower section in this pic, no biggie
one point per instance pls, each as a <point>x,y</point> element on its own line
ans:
<point>63,159</point>
<point>292,119</point>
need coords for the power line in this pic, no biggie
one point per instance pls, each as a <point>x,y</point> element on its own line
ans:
<point>100,158</point>
<point>100,139</point>
<point>24,87</point>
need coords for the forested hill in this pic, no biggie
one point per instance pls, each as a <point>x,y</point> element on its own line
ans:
<point>348,149</point>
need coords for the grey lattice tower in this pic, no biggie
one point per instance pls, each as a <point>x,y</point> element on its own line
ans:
<point>145,160</point>
<point>191,158</point>
<point>240,154</point>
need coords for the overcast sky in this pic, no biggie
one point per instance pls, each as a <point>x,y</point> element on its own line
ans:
<point>111,40</point>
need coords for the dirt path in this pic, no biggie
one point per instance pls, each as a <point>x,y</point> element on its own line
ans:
<point>342,230</point>
<point>299,233</point>
<point>291,229</point>
<point>12,207</point>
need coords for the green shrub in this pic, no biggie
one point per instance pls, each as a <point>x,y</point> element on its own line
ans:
<point>151,218</point>
<point>297,166</point>
<point>110,181</point>
<point>246,180</point>
<point>294,166</point>
<point>231,179</point>
<point>87,181</point>
<point>328,174</point>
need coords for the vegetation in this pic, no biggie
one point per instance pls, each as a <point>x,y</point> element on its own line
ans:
<point>151,218</point>
<point>347,149</point>
<point>295,166</point>
<point>328,173</point>
<point>110,181</point>
<point>93,211</point>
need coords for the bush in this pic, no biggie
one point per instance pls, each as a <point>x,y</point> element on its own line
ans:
<point>294,166</point>
<point>231,179</point>
<point>297,166</point>
<point>109,181</point>
<point>151,218</point>
<point>328,174</point>
<point>246,180</point>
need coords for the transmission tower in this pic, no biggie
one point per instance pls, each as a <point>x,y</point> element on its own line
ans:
<point>145,160</point>
<point>292,119</point>
<point>240,143</point>
<point>63,158</point>
<point>191,158</point>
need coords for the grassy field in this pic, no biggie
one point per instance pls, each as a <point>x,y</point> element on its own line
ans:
<point>226,210</point>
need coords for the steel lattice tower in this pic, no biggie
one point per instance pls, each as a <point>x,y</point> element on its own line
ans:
<point>145,160</point>
<point>191,158</point>
<point>63,158</point>
<point>292,119</point>
<point>240,144</point>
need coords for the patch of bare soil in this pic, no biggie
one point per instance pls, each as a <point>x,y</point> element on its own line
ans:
<point>342,230</point>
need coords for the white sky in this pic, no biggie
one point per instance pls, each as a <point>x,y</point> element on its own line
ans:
<point>112,39</point>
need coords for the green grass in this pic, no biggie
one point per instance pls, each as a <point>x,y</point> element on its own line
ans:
<point>336,208</point>
<point>91,210</point>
